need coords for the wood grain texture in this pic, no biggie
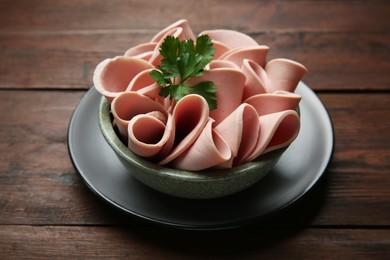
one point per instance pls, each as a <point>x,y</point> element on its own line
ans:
<point>42,242</point>
<point>343,48</point>
<point>248,16</point>
<point>336,61</point>
<point>48,51</point>
<point>39,185</point>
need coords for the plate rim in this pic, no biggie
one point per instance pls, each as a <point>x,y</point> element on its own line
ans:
<point>225,225</point>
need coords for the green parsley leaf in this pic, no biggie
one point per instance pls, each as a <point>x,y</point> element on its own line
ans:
<point>181,61</point>
<point>159,78</point>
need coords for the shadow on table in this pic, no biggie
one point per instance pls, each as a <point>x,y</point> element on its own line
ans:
<point>264,233</point>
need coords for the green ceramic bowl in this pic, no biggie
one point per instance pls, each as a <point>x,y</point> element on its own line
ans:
<point>185,184</point>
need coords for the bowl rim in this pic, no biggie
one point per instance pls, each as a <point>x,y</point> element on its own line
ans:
<point>111,137</point>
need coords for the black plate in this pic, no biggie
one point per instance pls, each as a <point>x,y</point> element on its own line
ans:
<point>298,170</point>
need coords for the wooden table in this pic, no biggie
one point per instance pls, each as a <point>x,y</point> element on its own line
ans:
<point>48,51</point>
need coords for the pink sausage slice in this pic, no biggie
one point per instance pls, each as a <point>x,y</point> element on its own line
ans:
<point>256,104</point>
<point>272,103</point>
<point>258,54</point>
<point>156,58</point>
<point>285,134</point>
<point>278,74</point>
<point>144,84</point>
<point>190,116</point>
<point>220,49</point>
<point>277,130</point>
<point>209,150</point>
<point>240,130</point>
<point>112,76</point>
<point>256,78</point>
<point>222,64</point>
<point>230,85</point>
<point>141,80</point>
<point>142,51</point>
<point>149,136</point>
<point>232,39</point>
<point>187,32</point>
<point>129,104</point>
<point>284,74</point>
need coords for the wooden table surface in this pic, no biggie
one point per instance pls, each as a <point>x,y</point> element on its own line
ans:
<point>48,51</point>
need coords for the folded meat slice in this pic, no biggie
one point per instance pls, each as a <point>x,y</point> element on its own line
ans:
<point>221,64</point>
<point>278,74</point>
<point>240,130</point>
<point>144,84</point>
<point>229,84</point>
<point>220,49</point>
<point>130,104</point>
<point>141,80</point>
<point>149,136</point>
<point>256,78</point>
<point>286,132</point>
<point>277,130</point>
<point>142,51</point>
<point>209,150</point>
<point>176,32</point>
<point>258,54</point>
<point>274,102</point>
<point>187,32</point>
<point>190,116</point>
<point>112,76</point>
<point>283,74</point>
<point>231,39</point>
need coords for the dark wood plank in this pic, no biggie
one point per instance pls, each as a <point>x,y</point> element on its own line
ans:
<point>42,242</point>
<point>346,47</point>
<point>54,61</point>
<point>46,211</point>
<point>39,185</point>
<point>336,61</point>
<point>248,16</point>
<point>37,175</point>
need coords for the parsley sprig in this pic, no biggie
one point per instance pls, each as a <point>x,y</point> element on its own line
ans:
<point>181,61</point>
